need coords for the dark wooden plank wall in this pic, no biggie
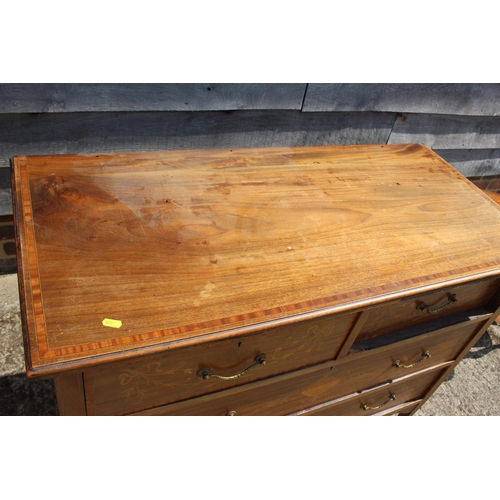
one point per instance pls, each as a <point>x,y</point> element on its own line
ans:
<point>54,133</point>
<point>437,98</point>
<point>461,122</point>
<point>67,98</point>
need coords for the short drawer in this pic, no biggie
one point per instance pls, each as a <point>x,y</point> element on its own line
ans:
<point>381,399</point>
<point>418,309</point>
<point>181,374</point>
<point>414,351</point>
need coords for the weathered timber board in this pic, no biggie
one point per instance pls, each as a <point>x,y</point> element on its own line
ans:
<point>473,162</point>
<point>5,194</point>
<point>61,133</point>
<point>447,131</point>
<point>440,98</point>
<point>70,97</point>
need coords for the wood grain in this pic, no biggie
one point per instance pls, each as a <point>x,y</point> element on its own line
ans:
<point>169,242</point>
<point>476,99</point>
<point>71,97</point>
<point>494,196</point>
<point>353,334</point>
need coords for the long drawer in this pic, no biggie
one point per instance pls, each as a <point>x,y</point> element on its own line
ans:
<point>309,387</point>
<point>419,309</point>
<point>185,373</point>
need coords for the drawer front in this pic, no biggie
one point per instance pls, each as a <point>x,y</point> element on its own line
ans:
<point>279,395</point>
<point>367,369</point>
<point>177,375</point>
<point>306,388</point>
<point>382,399</point>
<point>416,310</point>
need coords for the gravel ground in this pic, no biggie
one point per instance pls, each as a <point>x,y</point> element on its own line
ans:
<point>18,396</point>
<point>472,389</point>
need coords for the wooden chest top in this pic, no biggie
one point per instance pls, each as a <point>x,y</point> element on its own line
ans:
<point>124,253</point>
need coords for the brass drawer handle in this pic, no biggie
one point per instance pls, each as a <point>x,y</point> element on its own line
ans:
<point>452,299</point>
<point>205,374</point>
<point>231,413</point>
<point>392,397</point>
<point>398,364</point>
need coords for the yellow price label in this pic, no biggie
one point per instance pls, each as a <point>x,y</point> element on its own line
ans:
<point>113,323</point>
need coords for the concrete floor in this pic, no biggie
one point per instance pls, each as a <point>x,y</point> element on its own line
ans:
<point>472,389</point>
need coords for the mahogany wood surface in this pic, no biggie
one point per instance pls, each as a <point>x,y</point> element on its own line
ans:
<point>177,245</point>
<point>493,195</point>
<point>70,394</point>
<point>353,335</point>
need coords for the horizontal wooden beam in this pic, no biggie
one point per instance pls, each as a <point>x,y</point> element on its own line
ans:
<point>437,98</point>
<point>5,193</point>
<point>60,133</point>
<point>441,132</point>
<point>473,162</point>
<point>445,98</point>
<point>90,97</point>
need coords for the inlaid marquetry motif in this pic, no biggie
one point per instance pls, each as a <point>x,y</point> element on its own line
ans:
<point>146,379</point>
<point>139,381</point>
<point>285,348</point>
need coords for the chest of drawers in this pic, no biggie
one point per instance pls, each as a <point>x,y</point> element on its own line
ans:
<point>279,281</point>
